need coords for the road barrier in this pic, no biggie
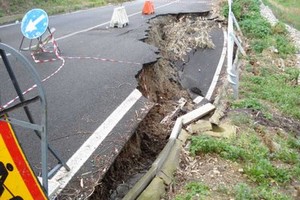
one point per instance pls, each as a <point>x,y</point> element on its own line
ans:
<point>232,65</point>
<point>119,18</point>
<point>148,8</point>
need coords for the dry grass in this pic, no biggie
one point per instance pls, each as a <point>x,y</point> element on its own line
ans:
<point>287,11</point>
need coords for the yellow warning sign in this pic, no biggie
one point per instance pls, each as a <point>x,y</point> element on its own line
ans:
<point>17,180</point>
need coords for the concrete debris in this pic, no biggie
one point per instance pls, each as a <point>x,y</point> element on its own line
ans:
<point>200,127</point>
<point>222,131</point>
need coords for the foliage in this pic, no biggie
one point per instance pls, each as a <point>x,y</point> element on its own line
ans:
<point>255,26</point>
<point>244,191</point>
<point>277,88</point>
<point>194,189</point>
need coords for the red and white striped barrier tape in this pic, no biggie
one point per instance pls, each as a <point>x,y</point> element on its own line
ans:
<point>55,50</point>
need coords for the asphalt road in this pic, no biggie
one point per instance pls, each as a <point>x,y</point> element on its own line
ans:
<point>84,94</point>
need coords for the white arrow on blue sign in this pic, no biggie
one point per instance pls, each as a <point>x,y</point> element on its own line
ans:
<point>34,23</point>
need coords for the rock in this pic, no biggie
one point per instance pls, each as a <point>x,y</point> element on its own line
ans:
<point>183,136</point>
<point>122,190</point>
<point>218,114</point>
<point>222,131</point>
<point>154,191</point>
<point>199,127</point>
<point>272,145</point>
<point>298,190</point>
<point>215,171</point>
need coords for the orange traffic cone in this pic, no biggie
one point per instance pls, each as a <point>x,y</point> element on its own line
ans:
<point>148,8</point>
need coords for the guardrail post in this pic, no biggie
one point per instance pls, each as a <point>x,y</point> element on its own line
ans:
<point>232,67</point>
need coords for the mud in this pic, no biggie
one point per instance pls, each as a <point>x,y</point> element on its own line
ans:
<point>175,36</point>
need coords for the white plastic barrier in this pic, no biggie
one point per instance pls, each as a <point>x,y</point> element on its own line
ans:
<point>119,18</point>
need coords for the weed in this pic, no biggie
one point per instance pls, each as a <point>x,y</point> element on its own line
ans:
<point>206,144</point>
<point>294,143</point>
<point>243,191</point>
<point>194,189</point>
<point>256,27</point>
<point>258,45</point>
<point>13,7</point>
<point>279,29</point>
<point>296,171</point>
<point>252,103</point>
<point>240,119</point>
<point>246,148</point>
<point>223,189</point>
<point>287,155</point>
<point>263,172</point>
<point>275,88</point>
<point>284,46</point>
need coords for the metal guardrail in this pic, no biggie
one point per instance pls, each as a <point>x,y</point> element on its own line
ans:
<point>232,67</point>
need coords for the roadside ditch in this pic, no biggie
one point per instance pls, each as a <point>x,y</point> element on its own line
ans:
<point>177,37</point>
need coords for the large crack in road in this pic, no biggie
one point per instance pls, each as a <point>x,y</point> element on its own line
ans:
<point>177,37</point>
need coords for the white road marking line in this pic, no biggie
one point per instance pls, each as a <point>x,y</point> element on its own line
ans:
<point>8,54</point>
<point>91,144</point>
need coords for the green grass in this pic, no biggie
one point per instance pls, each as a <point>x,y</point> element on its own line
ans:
<point>256,160</point>
<point>194,190</point>
<point>277,88</point>
<point>243,191</point>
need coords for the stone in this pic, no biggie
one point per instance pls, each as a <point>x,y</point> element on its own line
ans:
<point>183,136</point>
<point>154,191</point>
<point>199,127</point>
<point>223,131</point>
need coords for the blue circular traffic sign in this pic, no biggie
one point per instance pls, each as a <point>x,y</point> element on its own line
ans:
<point>34,23</point>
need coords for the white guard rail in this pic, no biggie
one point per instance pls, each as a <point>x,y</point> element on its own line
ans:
<point>232,67</point>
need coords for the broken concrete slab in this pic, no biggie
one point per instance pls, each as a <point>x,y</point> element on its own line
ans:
<point>223,131</point>
<point>197,113</point>
<point>199,127</point>
<point>154,191</point>
<point>183,136</point>
<point>171,164</point>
